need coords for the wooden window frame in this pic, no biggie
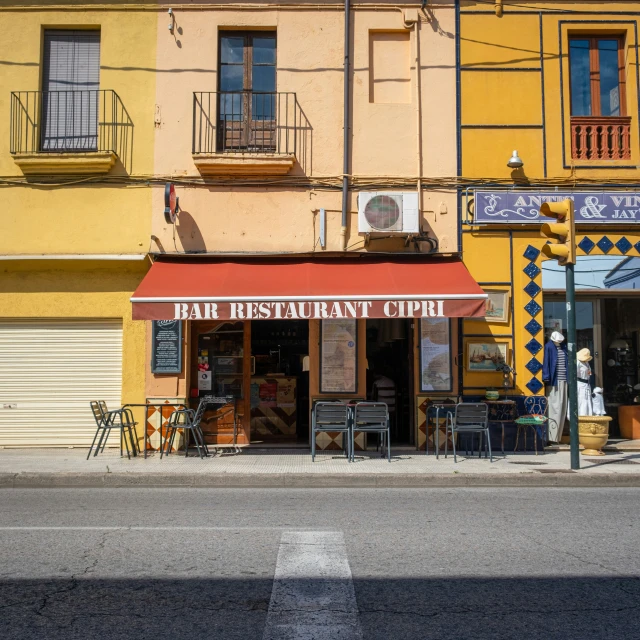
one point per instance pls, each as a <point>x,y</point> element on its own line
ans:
<point>594,72</point>
<point>248,135</point>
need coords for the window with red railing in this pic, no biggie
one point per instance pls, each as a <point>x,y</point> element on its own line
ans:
<point>600,127</point>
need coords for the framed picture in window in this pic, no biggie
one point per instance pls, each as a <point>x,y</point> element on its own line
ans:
<point>339,356</point>
<point>435,354</point>
<point>497,305</point>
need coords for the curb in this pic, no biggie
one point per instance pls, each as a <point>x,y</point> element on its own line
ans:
<point>566,479</point>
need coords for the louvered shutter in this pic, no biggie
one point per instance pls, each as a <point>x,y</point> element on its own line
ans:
<point>49,373</point>
<point>70,84</point>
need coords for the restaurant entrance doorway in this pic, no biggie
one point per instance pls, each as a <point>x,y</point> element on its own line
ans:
<point>279,383</point>
<point>390,373</point>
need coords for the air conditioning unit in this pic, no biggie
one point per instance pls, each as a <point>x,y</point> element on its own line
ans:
<point>385,212</point>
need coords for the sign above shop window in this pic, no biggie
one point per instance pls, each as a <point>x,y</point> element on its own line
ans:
<point>523,207</point>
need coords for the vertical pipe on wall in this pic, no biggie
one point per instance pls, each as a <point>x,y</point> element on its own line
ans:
<point>416,27</point>
<point>345,150</point>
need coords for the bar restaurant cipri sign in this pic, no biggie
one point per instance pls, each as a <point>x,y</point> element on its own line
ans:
<point>311,309</point>
<point>509,207</point>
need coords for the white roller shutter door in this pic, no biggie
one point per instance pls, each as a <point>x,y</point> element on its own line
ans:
<point>49,372</point>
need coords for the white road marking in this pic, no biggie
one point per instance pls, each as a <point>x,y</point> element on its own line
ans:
<point>159,528</point>
<point>313,597</point>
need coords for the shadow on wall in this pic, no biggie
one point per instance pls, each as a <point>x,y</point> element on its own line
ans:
<point>576,607</point>
<point>188,231</point>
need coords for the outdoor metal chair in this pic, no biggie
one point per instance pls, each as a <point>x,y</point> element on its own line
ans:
<point>372,417</point>
<point>189,421</point>
<point>120,419</point>
<point>330,417</point>
<point>536,418</point>
<point>469,418</point>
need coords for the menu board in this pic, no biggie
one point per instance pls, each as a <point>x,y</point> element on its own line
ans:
<point>166,341</point>
<point>435,354</point>
<point>339,356</point>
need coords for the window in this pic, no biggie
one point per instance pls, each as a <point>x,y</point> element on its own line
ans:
<point>597,76</point>
<point>70,90</point>
<point>600,128</point>
<point>247,86</point>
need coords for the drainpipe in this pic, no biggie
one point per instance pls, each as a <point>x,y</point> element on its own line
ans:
<point>416,27</point>
<point>345,151</point>
<point>499,8</point>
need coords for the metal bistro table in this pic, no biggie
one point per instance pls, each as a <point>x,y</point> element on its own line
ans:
<point>502,412</point>
<point>155,405</point>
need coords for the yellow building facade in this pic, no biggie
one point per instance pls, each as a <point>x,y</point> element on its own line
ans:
<point>559,83</point>
<point>75,236</point>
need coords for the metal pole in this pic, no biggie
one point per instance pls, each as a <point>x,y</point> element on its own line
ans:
<point>572,367</point>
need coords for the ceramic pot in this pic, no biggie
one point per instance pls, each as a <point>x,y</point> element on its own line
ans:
<point>593,433</point>
<point>492,394</point>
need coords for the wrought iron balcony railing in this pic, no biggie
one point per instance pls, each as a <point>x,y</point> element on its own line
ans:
<point>69,121</point>
<point>600,138</point>
<point>249,122</point>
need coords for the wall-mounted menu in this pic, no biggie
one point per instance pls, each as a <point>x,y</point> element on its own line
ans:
<point>166,355</point>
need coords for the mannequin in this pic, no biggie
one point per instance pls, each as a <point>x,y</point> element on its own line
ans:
<point>585,404</point>
<point>554,374</point>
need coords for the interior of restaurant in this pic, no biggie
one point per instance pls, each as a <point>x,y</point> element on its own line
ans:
<point>277,382</point>
<point>390,373</point>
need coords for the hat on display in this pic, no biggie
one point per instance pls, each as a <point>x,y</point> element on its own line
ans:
<point>584,355</point>
<point>556,336</point>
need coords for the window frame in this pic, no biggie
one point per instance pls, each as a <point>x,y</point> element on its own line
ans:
<point>247,56</point>
<point>594,73</point>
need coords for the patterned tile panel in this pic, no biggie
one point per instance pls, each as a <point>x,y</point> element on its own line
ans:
<point>604,244</point>
<point>532,308</point>
<point>534,366</point>
<point>533,346</point>
<point>531,253</point>
<point>533,326</point>
<point>532,289</point>
<point>586,244</point>
<point>532,270</point>
<point>534,385</point>
<point>623,245</point>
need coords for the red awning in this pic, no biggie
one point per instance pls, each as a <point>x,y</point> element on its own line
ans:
<point>261,289</point>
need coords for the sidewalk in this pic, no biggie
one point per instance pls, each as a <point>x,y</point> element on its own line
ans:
<point>293,468</point>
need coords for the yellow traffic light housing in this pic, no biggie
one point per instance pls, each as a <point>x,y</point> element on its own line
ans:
<point>561,234</point>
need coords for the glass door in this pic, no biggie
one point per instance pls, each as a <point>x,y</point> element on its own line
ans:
<point>588,327</point>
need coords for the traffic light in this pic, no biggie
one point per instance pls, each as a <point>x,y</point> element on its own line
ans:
<point>561,234</point>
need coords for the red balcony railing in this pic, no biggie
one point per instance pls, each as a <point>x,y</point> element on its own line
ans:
<point>600,138</point>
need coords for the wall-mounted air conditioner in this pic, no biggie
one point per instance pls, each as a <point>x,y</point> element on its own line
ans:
<point>388,212</point>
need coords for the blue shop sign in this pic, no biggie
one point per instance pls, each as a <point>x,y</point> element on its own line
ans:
<point>508,207</point>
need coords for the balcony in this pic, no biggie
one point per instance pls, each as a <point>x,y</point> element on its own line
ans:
<point>600,138</point>
<point>248,133</point>
<point>69,132</point>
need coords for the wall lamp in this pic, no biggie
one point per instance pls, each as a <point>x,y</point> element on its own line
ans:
<point>515,162</point>
<point>172,18</point>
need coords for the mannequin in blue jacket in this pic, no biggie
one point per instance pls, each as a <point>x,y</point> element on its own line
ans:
<point>554,374</point>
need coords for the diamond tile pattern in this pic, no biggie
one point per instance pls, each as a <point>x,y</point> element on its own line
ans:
<point>637,246</point>
<point>532,289</point>
<point>533,346</point>
<point>534,385</point>
<point>623,245</point>
<point>532,308</point>
<point>533,326</point>
<point>604,244</point>
<point>531,253</point>
<point>534,366</point>
<point>587,244</point>
<point>532,270</point>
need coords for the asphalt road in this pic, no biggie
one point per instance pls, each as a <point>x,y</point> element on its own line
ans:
<point>363,563</point>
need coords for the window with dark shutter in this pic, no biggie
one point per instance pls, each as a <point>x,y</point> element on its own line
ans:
<point>70,90</point>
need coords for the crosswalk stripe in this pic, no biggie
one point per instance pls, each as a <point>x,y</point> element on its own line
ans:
<point>313,597</point>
